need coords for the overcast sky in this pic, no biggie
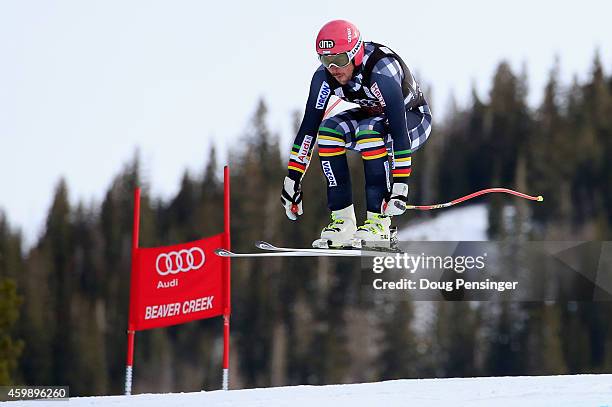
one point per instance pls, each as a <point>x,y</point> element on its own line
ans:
<point>85,83</point>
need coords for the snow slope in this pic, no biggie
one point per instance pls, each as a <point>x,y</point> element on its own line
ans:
<point>557,391</point>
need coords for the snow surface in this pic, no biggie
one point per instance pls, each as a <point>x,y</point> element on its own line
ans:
<point>540,391</point>
<point>464,223</point>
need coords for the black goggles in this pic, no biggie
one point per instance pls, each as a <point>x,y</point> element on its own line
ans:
<point>339,60</point>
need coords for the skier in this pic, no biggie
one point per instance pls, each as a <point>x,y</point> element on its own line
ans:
<point>393,119</point>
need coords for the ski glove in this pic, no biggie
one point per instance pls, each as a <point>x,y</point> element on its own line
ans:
<point>291,198</point>
<point>395,203</point>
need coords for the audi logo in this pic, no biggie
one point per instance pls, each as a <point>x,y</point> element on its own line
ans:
<point>183,260</point>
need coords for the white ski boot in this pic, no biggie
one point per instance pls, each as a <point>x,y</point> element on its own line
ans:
<point>340,230</point>
<point>375,232</point>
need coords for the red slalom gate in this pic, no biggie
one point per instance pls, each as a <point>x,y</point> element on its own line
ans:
<point>172,285</point>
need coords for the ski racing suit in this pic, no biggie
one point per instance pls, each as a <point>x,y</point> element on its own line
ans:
<point>393,119</point>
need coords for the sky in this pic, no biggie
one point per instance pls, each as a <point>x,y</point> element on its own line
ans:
<point>85,84</point>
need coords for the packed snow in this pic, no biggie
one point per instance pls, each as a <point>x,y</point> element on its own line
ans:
<point>535,391</point>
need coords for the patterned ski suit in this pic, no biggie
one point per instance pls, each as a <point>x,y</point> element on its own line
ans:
<point>392,120</point>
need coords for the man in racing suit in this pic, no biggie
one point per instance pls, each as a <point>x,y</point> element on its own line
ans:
<point>392,120</point>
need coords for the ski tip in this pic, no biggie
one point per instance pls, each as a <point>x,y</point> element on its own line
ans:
<point>260,244</point>
<point>540,198</point>
<point>223,253</point>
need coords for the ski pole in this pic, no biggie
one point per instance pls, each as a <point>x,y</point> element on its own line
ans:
<point>538,198</point>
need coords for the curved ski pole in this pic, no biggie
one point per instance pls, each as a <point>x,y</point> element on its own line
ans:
<point>538,198</point>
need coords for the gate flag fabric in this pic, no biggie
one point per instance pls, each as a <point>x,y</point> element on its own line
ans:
<point>176,284</point>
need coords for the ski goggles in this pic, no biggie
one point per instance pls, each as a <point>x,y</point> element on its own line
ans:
<point>339,60</point>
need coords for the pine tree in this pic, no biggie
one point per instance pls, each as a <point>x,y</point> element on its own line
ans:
<point>399,355</point>
<point>210,200</point>
<point>89,373</point>
<point>551,169</point>
<point>115,228</point>
<point>57,246</point>
<point>505,356</point>
<point>461,343</point>
<point>181,212</point>
<point>255,204</point>
<point>10,348</point>
<point>11,269</point>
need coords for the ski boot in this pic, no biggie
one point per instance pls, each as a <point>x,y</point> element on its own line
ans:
<point>376,233</point>
<point>340,231</point>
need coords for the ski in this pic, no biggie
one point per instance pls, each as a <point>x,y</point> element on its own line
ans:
<point>341,251</point>
<point>345,251</point>
<point>290,253</point>
<point>271,250</point>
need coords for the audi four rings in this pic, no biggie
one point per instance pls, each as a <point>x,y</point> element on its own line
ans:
<point>183,260</point>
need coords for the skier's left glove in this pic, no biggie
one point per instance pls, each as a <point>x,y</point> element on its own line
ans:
<point>291,198</point>
<point>395,203</point>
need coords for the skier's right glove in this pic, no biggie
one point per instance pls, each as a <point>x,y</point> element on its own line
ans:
<point>395,203</point>
<point>291,198</point>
